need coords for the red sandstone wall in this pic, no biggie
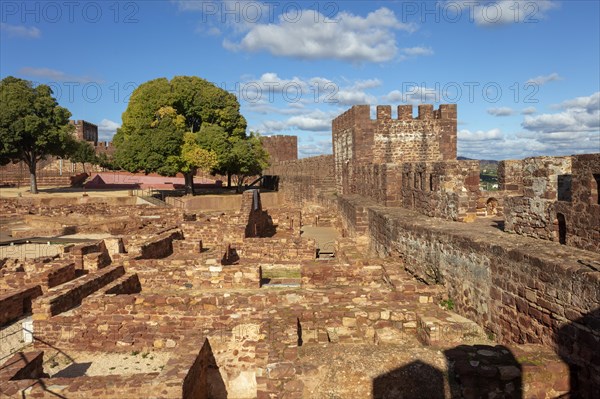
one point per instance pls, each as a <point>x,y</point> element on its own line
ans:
<point>510,176</point>
<point>448,190</point>
<point>305,179</point>
<point>280,148</point>
<point>535,214</point>
<point>359,140</point>
<point>518,293</point>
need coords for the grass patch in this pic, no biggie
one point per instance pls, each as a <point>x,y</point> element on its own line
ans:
<point>447,304</point>
<point>281,273</point>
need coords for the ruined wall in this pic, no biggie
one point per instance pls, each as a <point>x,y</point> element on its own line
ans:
<point>448,190</point>
<point>559,201</point>
<point>280,148</point>
<point>257,223</point>
<point>519,291</point>
<point>510,176</point>
<point>582,213</point>
<point>15,305</point>
<point>380,182</point>
<point>306,179</point>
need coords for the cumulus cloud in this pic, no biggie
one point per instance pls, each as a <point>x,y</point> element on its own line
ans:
<point>55,75</point>
<point>314,148</point>
<point>467,135</point>
<point>573,130</point>
<point>312,121</point>
<point>581,114</point>
<point>28,32</point>
<point>501,111</point>
<point>415,95</point>
<point>504,12</point>
<point>528,111</point>
<point>311,35</point>
<point>270,88</point>
<point>107,129</point>
<point>543,79</point>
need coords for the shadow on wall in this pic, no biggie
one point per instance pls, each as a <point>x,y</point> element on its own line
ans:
<point>482,371</point>
<point>579,346</point>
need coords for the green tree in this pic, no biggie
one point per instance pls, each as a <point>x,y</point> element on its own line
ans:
<point>32,125</point>
<point>158,115</point>
<point>106,161</point>
<point>248,158</point>
<point>83,152</point>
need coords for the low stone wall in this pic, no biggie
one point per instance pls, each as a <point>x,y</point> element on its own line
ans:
<point>532,217</point>
<point>72,294</point>
<point>156,247</point>
<point>46,273</point>
<point>186,375</point>
<point>354,217</point>
<point>520,291</point>
<point>13,306</point>
<point>196,273</point>
<point>324,274</point>
<point>277,249</point>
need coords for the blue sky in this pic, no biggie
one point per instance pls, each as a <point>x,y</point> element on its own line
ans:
<point>525,74</point>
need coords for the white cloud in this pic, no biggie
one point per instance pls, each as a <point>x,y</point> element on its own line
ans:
<point>366,84</point>
<point>20,31</point>
<point>504,12</point>
<point>528,111</point>
<point>574,130</point>
<point>501,111</point>
<point>55,75</point>
<point>417,51</point>
<point>107,129</point>
<point>479,135</point>
<point>270,88</point>
<point>311,35</point>
<point>313,121</point>
<point>415,95</point>
<point>542,80</point>
<point>319,147</point>
<point>590,103</point>
<point>581,114</point>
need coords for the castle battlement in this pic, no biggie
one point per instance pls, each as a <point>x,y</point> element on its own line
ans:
<point>362,113</point>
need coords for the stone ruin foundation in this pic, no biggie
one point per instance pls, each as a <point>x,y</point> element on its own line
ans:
<point>349,290</point>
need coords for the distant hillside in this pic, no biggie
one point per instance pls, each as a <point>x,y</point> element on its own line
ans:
<point>488,164</point>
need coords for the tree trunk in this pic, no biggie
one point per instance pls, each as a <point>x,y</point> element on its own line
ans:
<point>189,182</point>
<point>32,176</point>
<point>240,184</point>
<point>228,180</point>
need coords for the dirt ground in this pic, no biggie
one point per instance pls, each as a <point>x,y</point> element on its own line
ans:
<point>76,364</point>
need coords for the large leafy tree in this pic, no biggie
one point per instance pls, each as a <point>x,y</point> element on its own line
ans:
<point>32,125</point>
<point>163,122</point>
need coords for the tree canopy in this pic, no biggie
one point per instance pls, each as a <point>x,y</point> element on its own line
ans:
<point>32,125</point>
<point>182,125</point>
